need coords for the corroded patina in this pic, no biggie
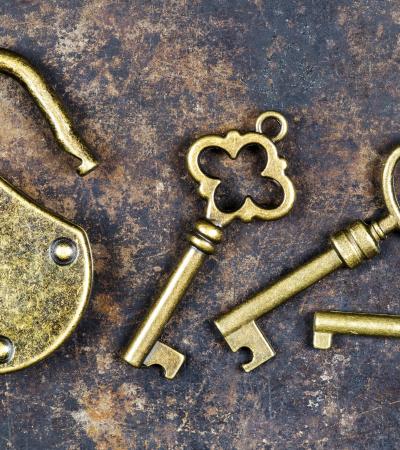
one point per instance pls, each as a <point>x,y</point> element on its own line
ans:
<point>46,265</point>
<point>142,79</point>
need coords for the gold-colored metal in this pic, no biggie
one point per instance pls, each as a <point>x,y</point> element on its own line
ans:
<point>46,264</point>
<point>145,348</point>
<point>63,251</point>
<point>326,324</point>
<point>349,248</point>
<point>6,349</point>
<point>20,68</point>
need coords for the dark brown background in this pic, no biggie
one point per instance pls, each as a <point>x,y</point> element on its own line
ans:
<point>142,80</point>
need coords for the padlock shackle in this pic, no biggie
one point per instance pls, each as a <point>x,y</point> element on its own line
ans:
<point>17,66</point>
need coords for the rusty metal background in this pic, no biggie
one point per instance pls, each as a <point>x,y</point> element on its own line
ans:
<point>142,80</point>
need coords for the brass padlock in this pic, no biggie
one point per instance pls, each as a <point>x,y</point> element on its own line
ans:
<point>46,263</point>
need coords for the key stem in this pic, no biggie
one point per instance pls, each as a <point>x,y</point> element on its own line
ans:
<point>357,323</point>
<point>285,288</point>
<point>202,243</point>
<point>164,306</point>
<point>327,324</point>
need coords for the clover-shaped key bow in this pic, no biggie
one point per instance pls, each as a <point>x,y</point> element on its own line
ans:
<point>232,144</point>
<point>145,348</point>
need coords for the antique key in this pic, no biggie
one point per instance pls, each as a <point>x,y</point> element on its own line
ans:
<point>349,248</point>
<point>145,348</point>
<point>46,262</point>
<point>326,324</point>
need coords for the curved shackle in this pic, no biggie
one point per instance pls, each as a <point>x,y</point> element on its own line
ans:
<point>15,65</point>
<point>392,221</point>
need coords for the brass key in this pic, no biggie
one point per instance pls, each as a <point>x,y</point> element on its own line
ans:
<point>145,348</point>
<point>349,248</point>
<point>326,324</point>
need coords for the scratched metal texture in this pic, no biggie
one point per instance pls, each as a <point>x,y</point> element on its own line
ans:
<point>142,80</point>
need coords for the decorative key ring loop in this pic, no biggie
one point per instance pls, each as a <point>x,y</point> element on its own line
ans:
<point>276,116</point>
<point>389,193</point>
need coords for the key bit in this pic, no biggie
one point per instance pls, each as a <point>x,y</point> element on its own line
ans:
<point>145,348</point>
<point>349,248</point>
<point>327,324</point>
<point>249,336</point>
<point>166,357</point>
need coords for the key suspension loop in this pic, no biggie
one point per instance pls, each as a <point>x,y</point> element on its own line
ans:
<point>276,116</point>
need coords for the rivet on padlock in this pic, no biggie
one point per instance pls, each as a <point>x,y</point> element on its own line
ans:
<point>46,263</point>
<point>145,348</point>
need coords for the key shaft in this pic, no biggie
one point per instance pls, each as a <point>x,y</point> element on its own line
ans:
<point>276,294</point>
<point>145,348</point>
<point>327,324</point>
<point>164,306</point>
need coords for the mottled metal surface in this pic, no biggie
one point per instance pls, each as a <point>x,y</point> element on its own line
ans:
<point>142,80</point>
<point>42,301</point>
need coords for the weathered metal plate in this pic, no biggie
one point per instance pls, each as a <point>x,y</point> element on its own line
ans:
<point>41,301</point>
